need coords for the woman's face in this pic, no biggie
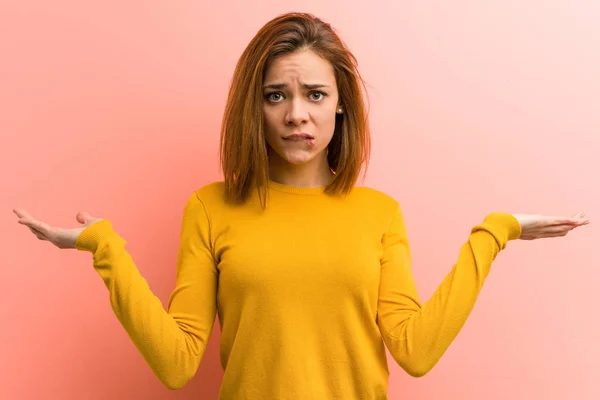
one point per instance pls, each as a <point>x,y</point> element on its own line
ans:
<point>300,103</point>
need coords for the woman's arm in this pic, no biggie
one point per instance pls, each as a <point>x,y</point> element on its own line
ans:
<point>418,335</point>
<point>172,341</point>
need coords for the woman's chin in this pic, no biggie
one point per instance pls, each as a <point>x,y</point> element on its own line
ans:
<point>298,157</point>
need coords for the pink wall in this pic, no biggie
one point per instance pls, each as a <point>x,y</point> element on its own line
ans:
<point>476,106</point>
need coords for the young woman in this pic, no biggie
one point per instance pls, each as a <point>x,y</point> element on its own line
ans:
<point>310,274</point>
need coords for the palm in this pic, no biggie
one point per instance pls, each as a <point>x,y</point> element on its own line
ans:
<point>541,226</point>
<point>63,238</point>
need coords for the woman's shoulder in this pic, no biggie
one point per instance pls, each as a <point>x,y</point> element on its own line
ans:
<point>215,188</point>
<point>210,193</point>
<point>375,196</point>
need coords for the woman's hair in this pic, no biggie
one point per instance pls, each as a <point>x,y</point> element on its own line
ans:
<point>243,149</point>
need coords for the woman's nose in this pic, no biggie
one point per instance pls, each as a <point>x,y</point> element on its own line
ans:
<point>297,113</point>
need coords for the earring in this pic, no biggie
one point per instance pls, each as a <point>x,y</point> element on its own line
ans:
<point>340,110</point>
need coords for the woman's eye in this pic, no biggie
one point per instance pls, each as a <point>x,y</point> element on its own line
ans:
<point>319,95</point>
<point>274,96</point>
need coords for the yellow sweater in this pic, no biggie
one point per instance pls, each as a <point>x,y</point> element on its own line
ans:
<point>309,293</point>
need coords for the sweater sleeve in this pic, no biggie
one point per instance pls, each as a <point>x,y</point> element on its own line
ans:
<point>172,341</point>
<point>418,335</point>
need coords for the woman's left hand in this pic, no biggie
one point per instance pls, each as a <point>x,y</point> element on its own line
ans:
<point>541,226</point>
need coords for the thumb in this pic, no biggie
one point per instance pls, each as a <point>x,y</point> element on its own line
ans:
<point>83,217</point>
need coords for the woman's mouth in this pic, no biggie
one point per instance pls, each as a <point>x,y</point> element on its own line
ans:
<point>300,137</point>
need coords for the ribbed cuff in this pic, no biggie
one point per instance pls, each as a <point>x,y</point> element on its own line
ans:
<point>91,236</point>
<point>503,226</point>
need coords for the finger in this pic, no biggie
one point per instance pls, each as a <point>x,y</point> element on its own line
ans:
<point>580,217</point>
<point>548,233</point>
<point>561,221</point>
<point>580,222</point>
<point>83,217</point>
<point>559,229</point>
<point>22,213</point>
<point>38,234</point>
<point>552,231</point>
<point>572,221</point>
<point>35,231</point>
<point>37,225</point>
<point>556,234</point>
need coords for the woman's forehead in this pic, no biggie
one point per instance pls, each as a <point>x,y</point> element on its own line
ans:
<point>304,67</point>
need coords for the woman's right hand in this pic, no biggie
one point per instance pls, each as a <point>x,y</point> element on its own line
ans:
<point>535,226</point>
<point>60,237</point>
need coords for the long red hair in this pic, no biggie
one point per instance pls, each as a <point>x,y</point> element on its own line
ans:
<point>243,148</point>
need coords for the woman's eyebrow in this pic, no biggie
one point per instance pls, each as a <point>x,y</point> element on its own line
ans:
<point>304,85</point>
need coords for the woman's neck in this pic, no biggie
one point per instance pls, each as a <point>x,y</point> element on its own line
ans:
<point>315,173</point>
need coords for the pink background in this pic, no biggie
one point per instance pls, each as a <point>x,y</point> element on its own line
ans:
<point>114,108</point>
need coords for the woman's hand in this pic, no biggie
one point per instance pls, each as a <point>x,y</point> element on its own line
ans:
<point>60,237</point>
<point>540,226</point>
